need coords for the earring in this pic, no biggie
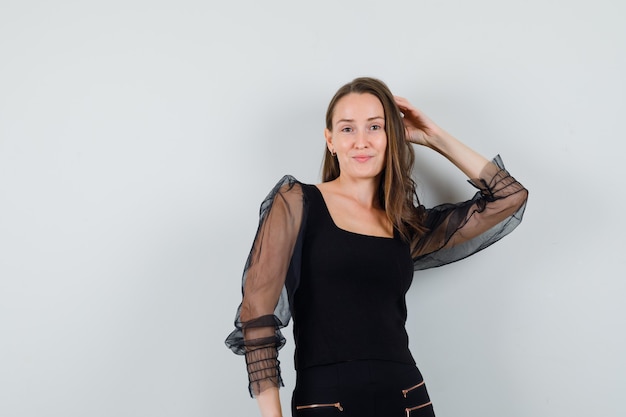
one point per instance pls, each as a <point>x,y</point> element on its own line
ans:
<point>332,152</point>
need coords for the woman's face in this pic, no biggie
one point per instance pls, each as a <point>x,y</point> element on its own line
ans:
<point>358,135</point>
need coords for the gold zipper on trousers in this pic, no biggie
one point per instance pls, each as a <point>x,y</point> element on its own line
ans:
<point>408,410</point>
<point>406,391</point>
<point>336,405</point>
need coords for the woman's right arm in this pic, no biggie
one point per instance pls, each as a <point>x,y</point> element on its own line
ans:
<point>264,309</point>
<point>269,403</point>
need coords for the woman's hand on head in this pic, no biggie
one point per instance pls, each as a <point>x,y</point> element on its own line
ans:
<point>419,128</point>
<point>422,131</point>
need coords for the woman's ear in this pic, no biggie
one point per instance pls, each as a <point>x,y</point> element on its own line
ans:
<point>329,140</point>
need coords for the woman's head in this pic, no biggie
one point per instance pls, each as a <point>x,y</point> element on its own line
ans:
<point>397,146</point>
<point>358,140</point>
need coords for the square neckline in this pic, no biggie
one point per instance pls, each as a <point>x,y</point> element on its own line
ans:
<point>332,221</point>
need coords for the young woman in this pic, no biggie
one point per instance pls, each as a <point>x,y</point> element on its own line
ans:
<point>339,258</point>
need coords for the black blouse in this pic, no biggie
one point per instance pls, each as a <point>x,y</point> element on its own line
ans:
<point>354,281</point>
<point>283,260</point>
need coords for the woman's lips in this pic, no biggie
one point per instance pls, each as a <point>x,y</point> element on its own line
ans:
<point>361,158</point>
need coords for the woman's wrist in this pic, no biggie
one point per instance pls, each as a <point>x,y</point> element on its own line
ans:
<point>465,158</point>
<point>269,403</point>
<point>439,141</point>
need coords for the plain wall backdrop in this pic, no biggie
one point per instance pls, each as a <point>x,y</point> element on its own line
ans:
<point>138,138</point>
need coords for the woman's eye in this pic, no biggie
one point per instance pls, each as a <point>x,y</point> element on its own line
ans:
<point>376,127</point>
<point>346,129</point>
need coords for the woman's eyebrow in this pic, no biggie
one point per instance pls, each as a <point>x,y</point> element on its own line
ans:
<point>352,120</point>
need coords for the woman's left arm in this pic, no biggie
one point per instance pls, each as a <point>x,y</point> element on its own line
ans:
<point>459,230</point>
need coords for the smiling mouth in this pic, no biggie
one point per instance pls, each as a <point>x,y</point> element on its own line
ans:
<point>362,158</point>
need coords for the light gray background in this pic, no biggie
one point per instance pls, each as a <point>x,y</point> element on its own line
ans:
<point>137,139</point>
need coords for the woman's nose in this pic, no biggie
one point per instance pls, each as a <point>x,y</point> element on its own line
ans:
<point>360,140</point>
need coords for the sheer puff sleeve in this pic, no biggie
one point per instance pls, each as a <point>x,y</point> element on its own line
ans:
<point>460,230</point>
<point>264,309</point>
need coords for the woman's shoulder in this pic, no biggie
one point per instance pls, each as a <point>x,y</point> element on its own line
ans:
<point>286,184</point>
<point>290,184</point>
<point>289,190</point>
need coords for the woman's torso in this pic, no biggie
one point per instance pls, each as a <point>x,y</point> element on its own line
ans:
<point>350,303</point>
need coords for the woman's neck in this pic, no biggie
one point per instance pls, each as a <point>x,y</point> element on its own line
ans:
<point>362,191</point>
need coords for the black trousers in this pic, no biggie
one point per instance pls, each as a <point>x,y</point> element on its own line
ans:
<point>361,389</point>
